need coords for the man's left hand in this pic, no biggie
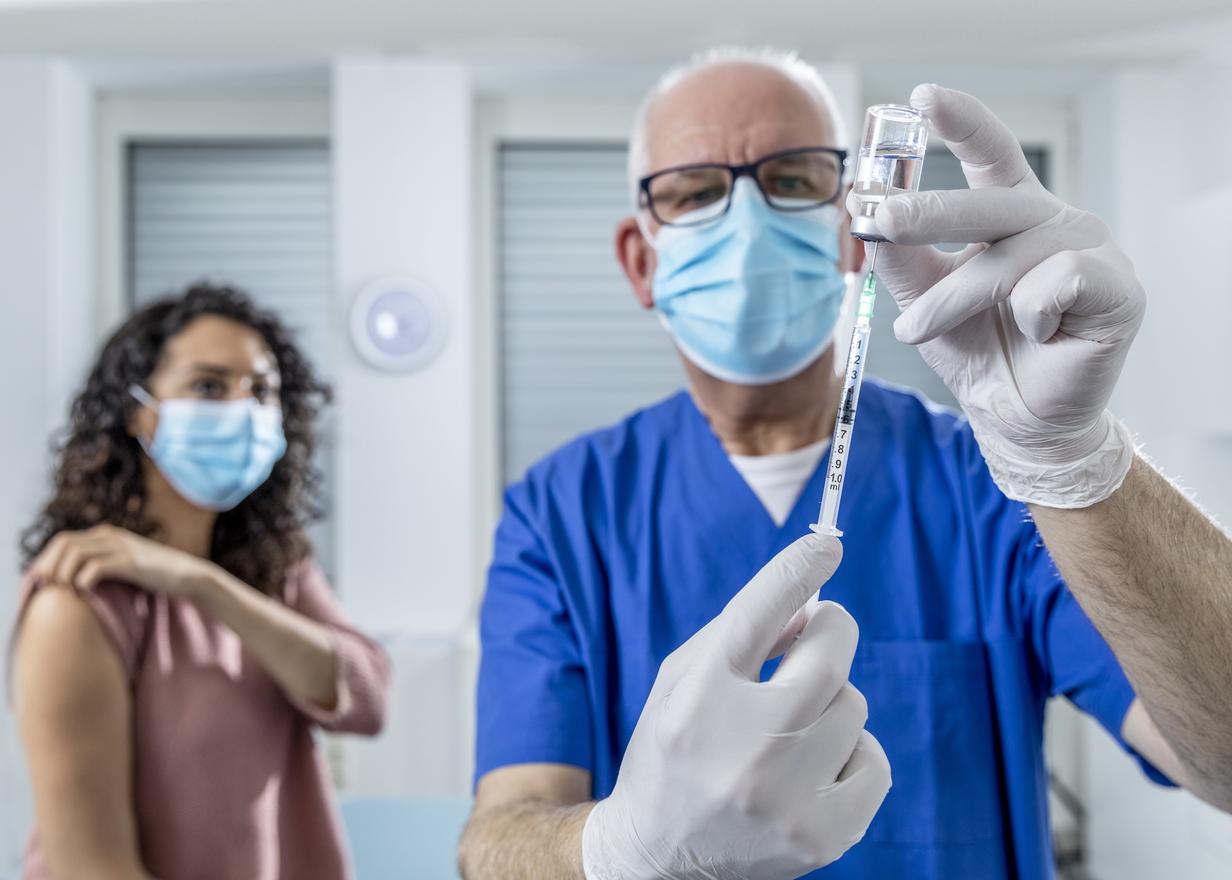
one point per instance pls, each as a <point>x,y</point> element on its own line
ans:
<point>1029,325</point>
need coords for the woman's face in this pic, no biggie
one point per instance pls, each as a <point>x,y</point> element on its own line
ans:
<point>213,358</point>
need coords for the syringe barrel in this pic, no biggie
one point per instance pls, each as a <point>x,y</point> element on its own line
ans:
<point>844,425</point>
<point>889,162</point>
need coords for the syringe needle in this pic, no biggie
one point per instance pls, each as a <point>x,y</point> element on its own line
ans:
<point>872,264</point>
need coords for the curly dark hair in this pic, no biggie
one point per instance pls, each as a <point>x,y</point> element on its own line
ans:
<point>98,472</point>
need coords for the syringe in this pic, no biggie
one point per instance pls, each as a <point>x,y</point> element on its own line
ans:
<point>845,418</point>
<point>895,138</point>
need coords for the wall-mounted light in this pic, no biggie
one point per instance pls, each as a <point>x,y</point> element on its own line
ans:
<point>398,324</point>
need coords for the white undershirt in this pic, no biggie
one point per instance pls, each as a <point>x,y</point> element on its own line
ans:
<point>777,480</point>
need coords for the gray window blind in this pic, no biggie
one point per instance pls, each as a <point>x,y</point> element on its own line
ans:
<point>256,215</point>
<point>578,352</point>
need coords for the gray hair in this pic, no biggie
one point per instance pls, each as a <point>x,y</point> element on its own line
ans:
<point>787,63</point>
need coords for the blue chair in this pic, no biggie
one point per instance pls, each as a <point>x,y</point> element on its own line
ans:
<point>405,838</point>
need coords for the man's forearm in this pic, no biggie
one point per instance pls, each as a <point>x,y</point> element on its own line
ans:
<point>526,840</point>
<point>1155,576</point>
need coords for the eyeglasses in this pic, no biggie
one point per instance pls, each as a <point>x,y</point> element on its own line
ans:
<point>790,180</point>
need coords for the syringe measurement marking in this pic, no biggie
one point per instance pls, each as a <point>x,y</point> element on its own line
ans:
<point>849,399</point>
<point>836,466</point>
<point>847,410</point>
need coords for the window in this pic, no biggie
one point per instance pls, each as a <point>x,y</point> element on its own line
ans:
<point>254,214</point>
<point>578,352</point>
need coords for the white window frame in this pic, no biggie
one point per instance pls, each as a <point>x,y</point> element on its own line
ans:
<point>124,119</point>
<point>503,121</point>
<point>175,117</point>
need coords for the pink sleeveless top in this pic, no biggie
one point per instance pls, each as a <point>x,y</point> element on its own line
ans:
<point>228,782</point>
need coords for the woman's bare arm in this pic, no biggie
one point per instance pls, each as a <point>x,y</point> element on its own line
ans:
<point>74,714</point>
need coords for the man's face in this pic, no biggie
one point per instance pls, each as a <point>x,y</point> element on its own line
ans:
<point>734,113</point>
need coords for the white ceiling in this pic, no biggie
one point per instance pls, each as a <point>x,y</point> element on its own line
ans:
<point>892,31</point>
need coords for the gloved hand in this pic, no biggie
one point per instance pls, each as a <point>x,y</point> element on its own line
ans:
<point>1029,325</point>
<point>729,777</point>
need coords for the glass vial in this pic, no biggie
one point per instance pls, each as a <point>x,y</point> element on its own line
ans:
<point>890,159</point>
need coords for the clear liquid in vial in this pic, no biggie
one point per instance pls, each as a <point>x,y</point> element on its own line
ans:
<point>874,168</point>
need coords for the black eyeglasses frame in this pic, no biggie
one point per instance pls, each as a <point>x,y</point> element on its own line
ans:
<point>749,169</point>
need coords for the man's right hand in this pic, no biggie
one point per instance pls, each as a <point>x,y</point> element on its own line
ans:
<point>727,776</point>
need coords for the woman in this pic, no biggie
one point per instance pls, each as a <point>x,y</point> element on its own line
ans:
<point>176,644</point>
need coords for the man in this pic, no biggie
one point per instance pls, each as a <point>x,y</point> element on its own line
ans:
<point>594,761</point>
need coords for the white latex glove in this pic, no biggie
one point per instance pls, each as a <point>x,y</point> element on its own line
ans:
<point>729,777</point>
<point>1029,325</point>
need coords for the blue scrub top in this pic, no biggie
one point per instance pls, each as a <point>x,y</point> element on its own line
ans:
<point>619,546</point>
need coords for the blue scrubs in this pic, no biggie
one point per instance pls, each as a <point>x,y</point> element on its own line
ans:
<point>618,547</point>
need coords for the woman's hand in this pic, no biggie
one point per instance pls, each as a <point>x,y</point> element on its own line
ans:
<point>85,559</point>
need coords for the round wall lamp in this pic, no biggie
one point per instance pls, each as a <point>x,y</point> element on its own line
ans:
<point>398,324</point>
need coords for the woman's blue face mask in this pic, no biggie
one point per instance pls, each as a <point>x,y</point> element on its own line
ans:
<point>753,297</point>
<point>214,453</point>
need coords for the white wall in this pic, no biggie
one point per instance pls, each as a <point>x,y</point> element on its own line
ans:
<point>1150,167</point>
<point>407,548</point>
<point>45,324</point>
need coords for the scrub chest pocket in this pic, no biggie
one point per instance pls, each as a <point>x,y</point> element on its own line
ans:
<point>929,706</point>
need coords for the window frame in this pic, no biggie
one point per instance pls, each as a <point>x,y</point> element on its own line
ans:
<point>503,121</point>
<point>125,119</point>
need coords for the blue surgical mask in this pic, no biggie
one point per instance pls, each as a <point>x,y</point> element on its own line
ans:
<point>214,453</point>
<point>753,297</point>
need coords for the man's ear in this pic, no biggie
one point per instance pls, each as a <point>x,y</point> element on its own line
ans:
<point>637,258</point>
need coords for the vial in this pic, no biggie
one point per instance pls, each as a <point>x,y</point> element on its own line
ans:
<point>889,162</point>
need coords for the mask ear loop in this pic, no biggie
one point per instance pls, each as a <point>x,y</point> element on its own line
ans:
<point>643,226</point>
<point>143,397</point>
<point>147,400</point>
<point>641,215</point>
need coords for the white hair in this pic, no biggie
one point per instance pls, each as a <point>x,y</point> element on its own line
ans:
<point>787,63</point>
